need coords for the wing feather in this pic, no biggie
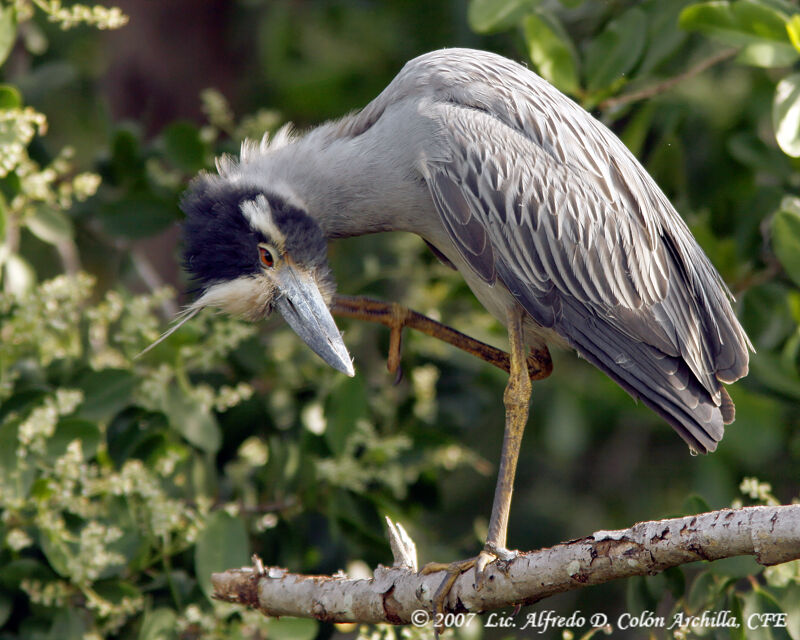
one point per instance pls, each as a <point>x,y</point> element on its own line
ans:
<point>590,248</point>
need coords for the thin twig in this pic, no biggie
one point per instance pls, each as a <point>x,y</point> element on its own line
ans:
<point>152,279</point>
<point>68,253</point>
<point>669,83</point>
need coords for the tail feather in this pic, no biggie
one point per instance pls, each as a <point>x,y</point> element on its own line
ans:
<point>664,383</point>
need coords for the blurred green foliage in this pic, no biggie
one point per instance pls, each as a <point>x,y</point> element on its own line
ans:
<point>125,482</point>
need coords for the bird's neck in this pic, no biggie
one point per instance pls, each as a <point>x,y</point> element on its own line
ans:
<point>352,185</point>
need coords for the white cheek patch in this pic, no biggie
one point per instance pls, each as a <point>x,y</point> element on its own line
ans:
<point>259,214</point>
<point>246,297</point>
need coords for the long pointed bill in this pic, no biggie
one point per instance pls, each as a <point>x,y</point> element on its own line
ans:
<point>302,306</point>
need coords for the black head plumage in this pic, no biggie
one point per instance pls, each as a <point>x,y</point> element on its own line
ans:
<point>219,243</point>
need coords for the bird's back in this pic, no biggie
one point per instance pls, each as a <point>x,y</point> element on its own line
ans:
<point>536,193</point>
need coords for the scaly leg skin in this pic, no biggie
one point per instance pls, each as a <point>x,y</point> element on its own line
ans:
<point>516,400</point>
<point>396,317</point>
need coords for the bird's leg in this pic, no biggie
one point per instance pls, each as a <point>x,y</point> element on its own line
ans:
<point>516,400</point>
<point>397,317</point>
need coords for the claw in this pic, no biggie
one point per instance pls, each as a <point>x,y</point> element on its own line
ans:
<point>453,571</point>
<point>484,559</point>
<point>501,553</point>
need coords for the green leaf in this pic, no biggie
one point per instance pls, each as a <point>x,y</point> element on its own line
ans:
<point>737,633</point>
<point>69,430</point>
<point>786,115</point>
<point>21,569</point>
<point>68,624</point>
<point>749,149</point>
<point>49,224</point>
<point>105,393</point>
<point>737,567</point>
<point>767,314</point>
<point>616,50</point>
<point>785,232</point>
<point>116,591</point>
<point>551,50</point>
<point>57,552</point>
<point>639,596</point>
<point>159,624</point>
<point>346,404</point>
<point>222,545</point>
<point>139,216</point>
<point>8,31</point>
<point>193,421</point>
<point>793,30</point>
<point>695,504</point>
<point>771,371</point>
<point>487,16</point>
<point>18,276</point>
<point>676,581</point>
<point>702,591</point>
<point>768,55</point>
<point>758,610</point>
<point>135,433</point>
<point>16,481</point>
<point>5,607</point>
<point>10,97</point>
<point>638,127</point>
<point>736,23</point>
<point>3,217</point>
<point>184,148</point>
<point>664,37</point>
<point>292,628</point>
<point>127,164</point>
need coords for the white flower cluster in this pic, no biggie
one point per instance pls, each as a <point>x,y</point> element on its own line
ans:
<point>228,397</point>
<point>52,593</point>
<point>221,119</point>
<point>165,517</point>
<point>424,379</point>
<point>76,14</point>
<point>115,613</point>
<point>196,622</point>
<point>761,491</point>
<point>18,539</point>
<point>17,128</point>
<point>369,458</point>
<point>221,336</point>
<point>94,556</point>
<point>34,432</point>
<point>44,322</point>
<point>37,429</point>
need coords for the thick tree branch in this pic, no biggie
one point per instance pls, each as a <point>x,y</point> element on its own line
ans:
<point>771,534</point>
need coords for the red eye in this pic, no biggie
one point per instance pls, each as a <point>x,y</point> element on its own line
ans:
<point>266,257</point>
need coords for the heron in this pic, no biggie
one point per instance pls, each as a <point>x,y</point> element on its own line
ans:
<point>555,226</point>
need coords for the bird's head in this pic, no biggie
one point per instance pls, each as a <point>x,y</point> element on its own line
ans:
<point>250,251</point>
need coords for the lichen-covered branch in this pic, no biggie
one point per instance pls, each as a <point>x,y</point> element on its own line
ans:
<point>771,534</point>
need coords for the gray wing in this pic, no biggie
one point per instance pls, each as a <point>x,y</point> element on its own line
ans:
<point>572,225</point>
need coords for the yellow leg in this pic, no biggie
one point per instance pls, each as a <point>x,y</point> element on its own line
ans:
<point>516,400</point>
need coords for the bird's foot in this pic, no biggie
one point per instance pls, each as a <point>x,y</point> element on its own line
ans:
<point>491,553</point>
<point>397,317</point>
